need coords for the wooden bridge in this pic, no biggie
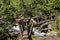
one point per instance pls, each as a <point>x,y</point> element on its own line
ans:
<point>26,25</point>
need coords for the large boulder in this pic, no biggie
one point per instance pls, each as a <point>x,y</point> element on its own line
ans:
<point>38,33</point>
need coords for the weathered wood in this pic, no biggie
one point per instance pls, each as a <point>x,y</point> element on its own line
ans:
<point>25,35</point>
<point>32,22</point>
<point>44,21</point>
<point>21,32</point>
<point>31,29</point>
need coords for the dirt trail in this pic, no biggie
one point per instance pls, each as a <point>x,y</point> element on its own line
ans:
<point>48,38</point>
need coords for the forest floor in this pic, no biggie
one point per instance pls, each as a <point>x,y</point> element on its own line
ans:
<point>47,38</point>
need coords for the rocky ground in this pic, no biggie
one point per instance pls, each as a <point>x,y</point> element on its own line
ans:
<point>48,38</point>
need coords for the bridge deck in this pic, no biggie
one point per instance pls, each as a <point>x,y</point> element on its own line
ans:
<point>25,35</point>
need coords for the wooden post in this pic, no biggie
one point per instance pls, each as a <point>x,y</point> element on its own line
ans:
<point>21,31</point>
<point>31,29</point>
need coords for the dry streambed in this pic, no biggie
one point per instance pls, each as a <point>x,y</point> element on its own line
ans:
<point>50,36</point>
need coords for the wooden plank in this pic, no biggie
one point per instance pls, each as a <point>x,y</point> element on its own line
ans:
<point>25,35</point>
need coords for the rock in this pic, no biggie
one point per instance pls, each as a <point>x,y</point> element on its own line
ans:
<point>52,33</point>
<point>14,30</point>
<point>38,33</point>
